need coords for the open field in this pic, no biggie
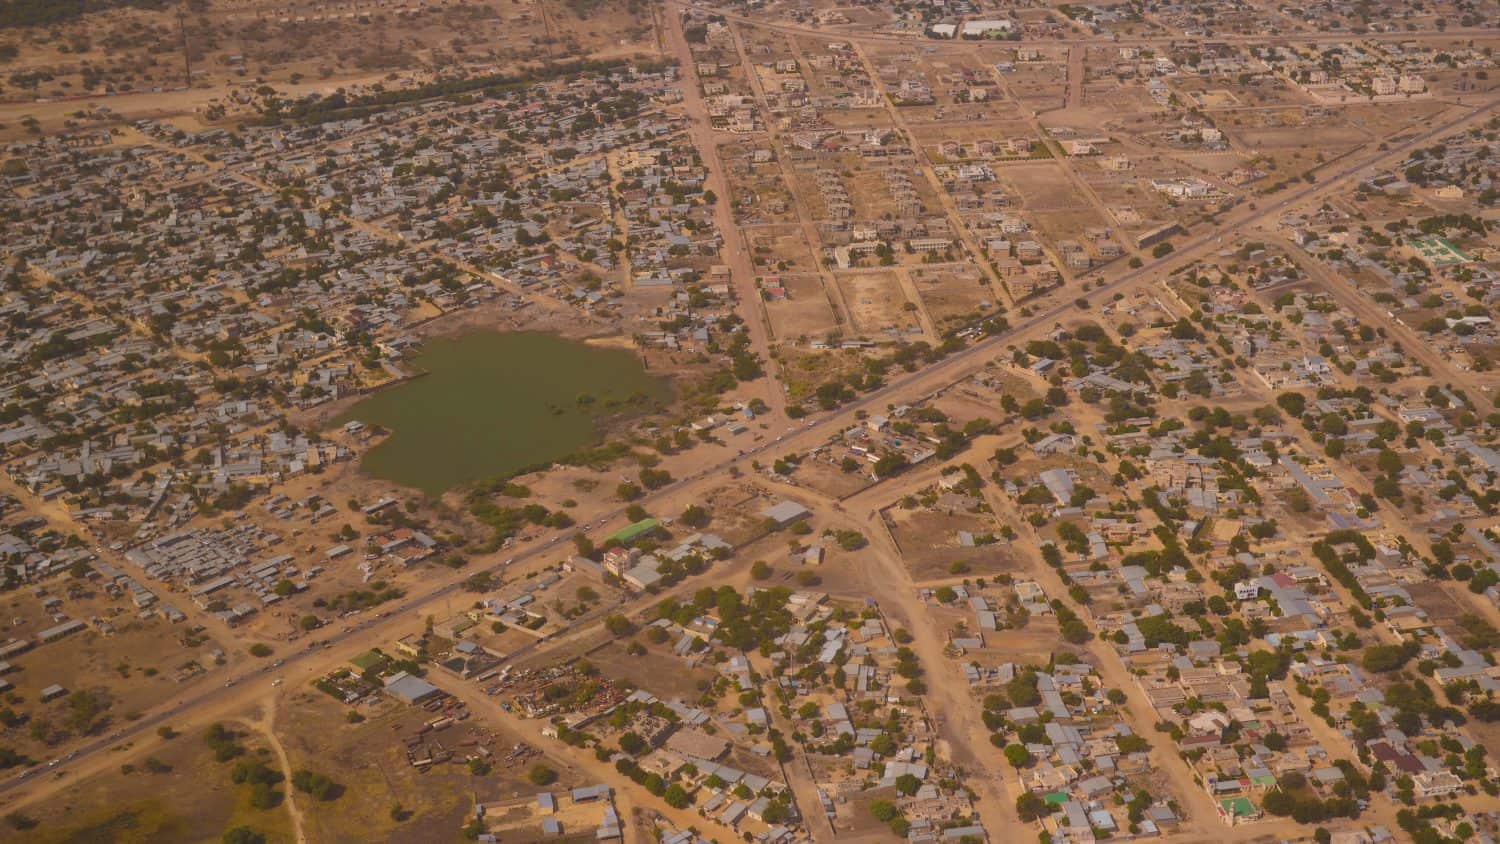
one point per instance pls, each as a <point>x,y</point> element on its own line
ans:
<point>368,762</point>
<point>953,296</point>
<point>933,552</point>
<point>805,312</point>
<point>1042,187</point>
<point>184,795</point>
<point>877,303</point>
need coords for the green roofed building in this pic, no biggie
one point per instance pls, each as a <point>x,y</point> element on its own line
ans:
<point>631,533</point>
<point>1236,809</point>
<point>1439,251</point>
<point>1057,798</point>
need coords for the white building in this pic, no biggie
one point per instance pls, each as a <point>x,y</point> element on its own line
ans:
<point>981,28</point>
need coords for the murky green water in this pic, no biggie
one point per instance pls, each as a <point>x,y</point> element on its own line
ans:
<point>494,402</point>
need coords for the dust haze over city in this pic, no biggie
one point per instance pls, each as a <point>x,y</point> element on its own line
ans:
<point>780,421</point>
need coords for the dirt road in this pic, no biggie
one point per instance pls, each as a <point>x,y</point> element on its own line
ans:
<point>735,253</point>
<point>583,762</point>
<point>805,222</point>
<point>1201,813</point>
<point>955,712</point>
<point>266,725</point>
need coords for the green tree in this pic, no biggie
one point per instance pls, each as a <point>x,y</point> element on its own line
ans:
<point>317,785</point>
<point>677,797</point>
<point>632,743</point>
<point>1030,807</point>
<point>262,796</point>
<point>850,540</point>
<point>1385,658</point>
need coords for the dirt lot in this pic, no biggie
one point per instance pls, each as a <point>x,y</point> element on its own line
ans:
<point>1071,224</point>
<point>930,547</point>
<point>963,404</point>
<point>833,481</point>
<point>368,761</point>
<point>1126,96</point>
<point>757,190</point>
<point>805,313</point>
<point>1033,644</point>
<point>877,303</point>
<point>804,370</point>
<point>953,296</point>
<point>781,249</point>
<point>1038,85</point>
<point>658,670</point>
<point>736,513</point>
<point>870,194</point>
<point>1042,186</point>
<point>856,823</point>
<point>91,662</point>
<point>1441,606</point>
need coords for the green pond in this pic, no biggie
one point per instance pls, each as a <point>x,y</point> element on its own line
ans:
<point>490,403</point>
